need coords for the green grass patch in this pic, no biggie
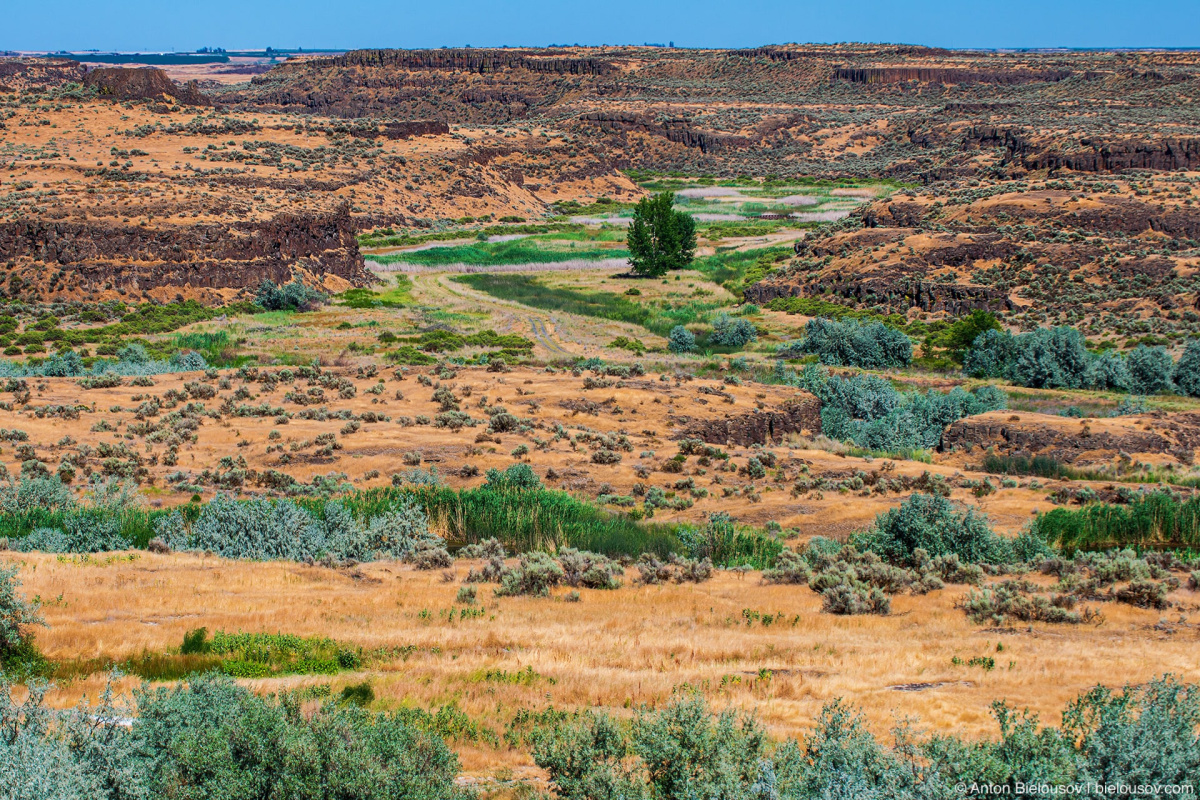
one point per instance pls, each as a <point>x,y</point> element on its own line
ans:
<point>522,519</point>
<point>387,237</point>
<point>218,348</point>
<point>263,655</point>
<point>736,270</point>
<point>398,296</point>
<point>525,289</point>
<point>240,655</point>
<point>521,251</point>
<point>272,317</point>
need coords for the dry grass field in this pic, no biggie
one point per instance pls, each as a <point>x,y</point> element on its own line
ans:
<point>612,649</point>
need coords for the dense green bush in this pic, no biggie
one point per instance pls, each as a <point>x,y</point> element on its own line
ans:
<point>1150,370</point>
<point>933,524</point>
<point>660,238</point>
<point>1057,358</point>
<point>1052,358</point>
<point>1005,603</point>
<point>130,360</point>
<point>589,570</point>
<point>213,739</point>
<point>294,296</point>
<point>518,476</point>
<point>869,411</point>
<point>732,331</point>
<point>534,575</point>
<point>1187,370</point>
<point>42,513</point>
<point>1110,370</point>
<point>1138,735</point>
<point>681,340</point>
<point>991,355</point>
<point>870,345</point>
<point>959,336</point>
<point>279,529</point>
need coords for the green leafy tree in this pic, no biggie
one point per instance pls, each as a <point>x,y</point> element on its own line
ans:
<point>959,337</point>
<point>660,238</point>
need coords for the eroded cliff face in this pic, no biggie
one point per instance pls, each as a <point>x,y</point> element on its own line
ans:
<point>472,60</point>
<point>948,75</point>
<point>1075,441</point>
<point>673,130</point>
<point>240,255</point>
<point>896,292</point>
<point>21,74</point>
<point>1092,153</point>
<point>801,416</point>
<point>142,83</point>
<point>451,85</point>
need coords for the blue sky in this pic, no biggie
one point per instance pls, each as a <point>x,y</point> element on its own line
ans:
<point>189,24</point>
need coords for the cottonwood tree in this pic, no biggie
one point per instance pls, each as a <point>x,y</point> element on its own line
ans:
<point>660,238</point>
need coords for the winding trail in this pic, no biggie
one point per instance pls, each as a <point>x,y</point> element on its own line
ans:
<point>508,315</point>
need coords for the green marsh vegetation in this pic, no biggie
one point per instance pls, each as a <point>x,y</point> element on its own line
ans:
<point>491,254</point>
<point>657,317</point>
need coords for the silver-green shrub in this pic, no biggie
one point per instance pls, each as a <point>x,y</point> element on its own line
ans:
<point>264,530</point>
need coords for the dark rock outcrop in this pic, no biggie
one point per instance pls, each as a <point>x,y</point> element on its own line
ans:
<point>237,255</point>
<point>472,60</point>
<point>142,83</point>
<point>1069,442</point>
<point>1091,154</point>
<point>17,74</point>
<point>405,129</point>
<point>897,293</point>
<point>801,415</point>
<point>881,75</point>
<point>674,130</point>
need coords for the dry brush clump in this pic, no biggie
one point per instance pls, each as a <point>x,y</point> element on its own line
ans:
<point>676,569</point>
<point>536,572</point>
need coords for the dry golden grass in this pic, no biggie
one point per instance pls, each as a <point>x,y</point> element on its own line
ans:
<point>613,649</point>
